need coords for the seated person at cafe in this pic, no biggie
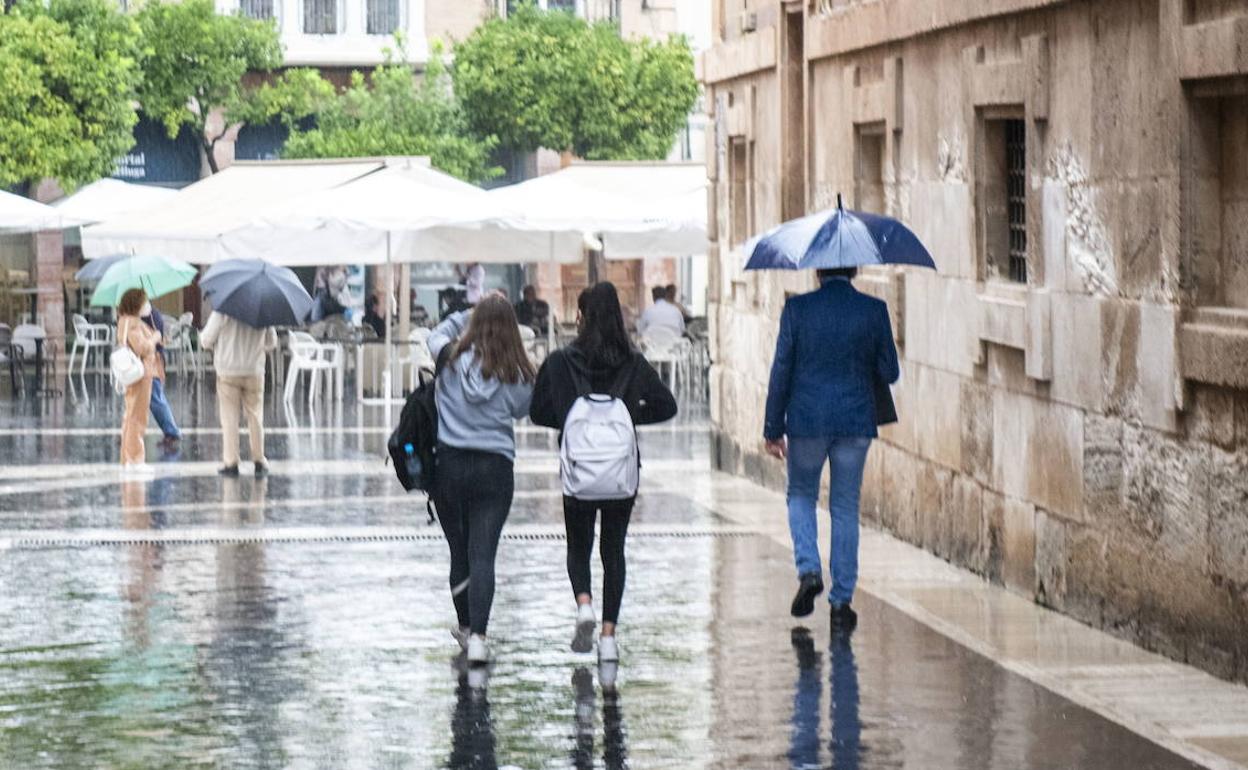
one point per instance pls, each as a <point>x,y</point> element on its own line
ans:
<point>661,314</point>
<point>533,312</point>
<point>372,318</point>
<point>670,296</point>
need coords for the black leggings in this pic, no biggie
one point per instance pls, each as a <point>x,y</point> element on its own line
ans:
<point>578,517</point>
<point>473,492</point>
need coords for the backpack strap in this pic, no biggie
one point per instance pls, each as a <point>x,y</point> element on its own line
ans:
<point>624,379</point>
<point>579,381</point>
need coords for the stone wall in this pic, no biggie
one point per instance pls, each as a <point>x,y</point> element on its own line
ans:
<point>1080,436</point>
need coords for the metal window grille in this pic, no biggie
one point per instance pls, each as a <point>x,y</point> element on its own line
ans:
<point>320,17</point>
<point>257,9</point>
<point>1016,197</point>
<point>383,17</point>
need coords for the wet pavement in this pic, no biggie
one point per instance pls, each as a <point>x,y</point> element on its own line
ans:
<point>301,621</point>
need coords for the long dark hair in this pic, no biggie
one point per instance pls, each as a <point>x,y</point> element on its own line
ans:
<point>602,337</point>
<point>494,335</point>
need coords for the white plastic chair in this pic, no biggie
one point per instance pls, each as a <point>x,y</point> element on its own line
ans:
<point>86,337</point>
<point>180,341</point>
<point>308,355</point>
<point>666,347</point>
<point>421,360</point>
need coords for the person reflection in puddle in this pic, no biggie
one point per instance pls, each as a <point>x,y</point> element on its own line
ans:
<point>845,746</point>
<point>473,743</point>
<point>615,738</point>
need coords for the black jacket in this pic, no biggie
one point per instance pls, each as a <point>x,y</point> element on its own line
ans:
<point>647,398</point>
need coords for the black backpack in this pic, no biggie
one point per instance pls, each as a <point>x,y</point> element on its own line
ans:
<point>413,445</point>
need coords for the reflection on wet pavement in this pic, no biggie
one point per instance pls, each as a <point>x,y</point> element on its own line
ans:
<point>214,651</point>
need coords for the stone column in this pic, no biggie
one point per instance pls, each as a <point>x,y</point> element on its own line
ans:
<point>49,263</point>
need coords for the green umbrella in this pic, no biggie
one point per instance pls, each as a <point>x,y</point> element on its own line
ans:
<point>155,275</point>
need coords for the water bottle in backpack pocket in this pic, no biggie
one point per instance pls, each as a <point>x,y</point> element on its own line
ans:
<point>598,456</point>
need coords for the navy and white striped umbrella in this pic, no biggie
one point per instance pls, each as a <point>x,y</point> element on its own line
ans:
<point>836,239</point>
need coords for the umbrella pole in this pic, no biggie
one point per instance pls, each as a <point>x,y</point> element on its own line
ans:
<point>550,315</point>
<point>385,376</point>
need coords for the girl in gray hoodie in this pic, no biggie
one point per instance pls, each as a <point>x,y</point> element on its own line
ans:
<point>484,388</point>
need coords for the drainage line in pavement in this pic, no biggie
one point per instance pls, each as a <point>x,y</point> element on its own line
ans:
<point>67,542</point>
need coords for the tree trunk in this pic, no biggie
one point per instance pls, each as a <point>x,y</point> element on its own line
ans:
<point>210,155</point>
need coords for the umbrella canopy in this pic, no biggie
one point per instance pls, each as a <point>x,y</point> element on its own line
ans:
<point>95,269</point>
<point>256,293</point>
<point>155,275</point>
<point>190,224</point>
<point>837,239</point>
<point>22,215</point>
<point>403,213</point>
<point>105,199</point>
<point>639,209</point>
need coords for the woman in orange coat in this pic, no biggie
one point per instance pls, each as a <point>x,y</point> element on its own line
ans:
<point>142,339</point>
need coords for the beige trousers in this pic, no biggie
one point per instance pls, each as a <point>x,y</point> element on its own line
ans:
<point>134,423</point>
<point>245,394</point>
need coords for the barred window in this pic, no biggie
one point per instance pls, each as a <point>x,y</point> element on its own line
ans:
<point>383,17</point>
<point>1016,197</point>
<point>320,17</point>
<point>257,9</point>
<point>1001,194</point>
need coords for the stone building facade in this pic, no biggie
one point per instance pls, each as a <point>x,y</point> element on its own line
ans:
<point>1074,395</point>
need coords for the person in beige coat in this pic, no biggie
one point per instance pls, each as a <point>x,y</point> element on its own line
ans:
<point>142,339</point>
<point>238,355</point>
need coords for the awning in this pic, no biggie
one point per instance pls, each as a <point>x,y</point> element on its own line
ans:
<point>405,212</point>
<point>637,209</point>
<point>22,215</point>
<point>191,225</point>
<point>107,199</point>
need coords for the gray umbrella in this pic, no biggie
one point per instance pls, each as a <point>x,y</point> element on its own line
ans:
<point>95,269</point>
<point>256,293</point>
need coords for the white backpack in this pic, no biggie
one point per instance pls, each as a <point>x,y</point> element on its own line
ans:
<point>125,365</point>
<point>599,458</point>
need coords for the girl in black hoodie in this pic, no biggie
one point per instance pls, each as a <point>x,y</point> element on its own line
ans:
<point>600,359</point>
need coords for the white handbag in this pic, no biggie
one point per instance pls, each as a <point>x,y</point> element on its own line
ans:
<point>126,366</point>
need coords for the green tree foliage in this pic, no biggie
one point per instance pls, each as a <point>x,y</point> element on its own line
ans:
<point>196,62</point>
<point>68,77</point>
<point>389,112</point>
<point>548,79</point>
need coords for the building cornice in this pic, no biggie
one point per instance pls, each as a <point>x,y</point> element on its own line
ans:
<point>888,21</point>
<point>746,55</point>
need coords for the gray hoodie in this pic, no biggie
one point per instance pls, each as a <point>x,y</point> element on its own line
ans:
<point>476,413</point>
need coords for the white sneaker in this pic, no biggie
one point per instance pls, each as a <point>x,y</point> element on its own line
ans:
<point>586,622</point>
<point>478,651</point>
<point>461,635</point>
<point>608,649</point>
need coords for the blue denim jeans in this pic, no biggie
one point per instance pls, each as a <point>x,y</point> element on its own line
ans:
<point>162,411</point>
<point>847,457</point>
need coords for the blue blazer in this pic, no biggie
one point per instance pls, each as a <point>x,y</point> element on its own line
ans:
<point>835,359</point>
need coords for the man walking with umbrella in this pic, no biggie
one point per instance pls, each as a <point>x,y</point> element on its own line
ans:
<point>835,346</point>
<point>835,359</point>
<point>249,298</point>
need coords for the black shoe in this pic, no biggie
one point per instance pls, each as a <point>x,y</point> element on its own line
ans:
<point>804,602</point>
<point>262,470</point>
<point>230,471</point>
<point>844,618</point>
